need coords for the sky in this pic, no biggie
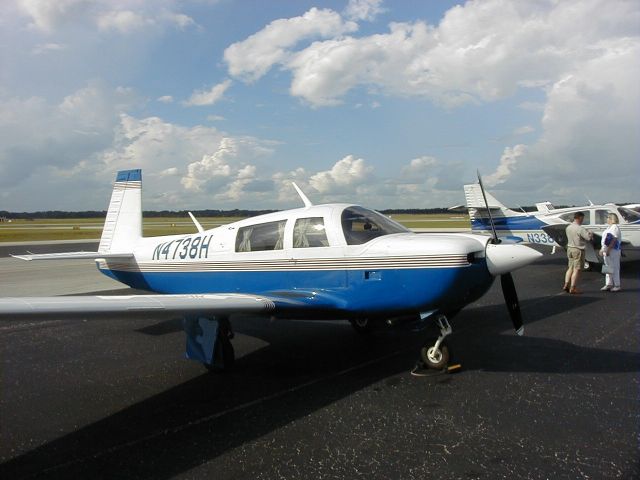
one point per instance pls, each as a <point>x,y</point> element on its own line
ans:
<point>388,104</point>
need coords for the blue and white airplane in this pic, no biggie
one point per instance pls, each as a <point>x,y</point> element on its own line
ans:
<point>547,225</point>
<point>333,261</point>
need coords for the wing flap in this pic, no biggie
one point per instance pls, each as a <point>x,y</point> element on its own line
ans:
<point>133,305</point>
<point>71,256</point>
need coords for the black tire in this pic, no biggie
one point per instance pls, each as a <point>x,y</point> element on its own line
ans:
<point>442,360</point>
<point>362,325</point>
<point>225,356</point>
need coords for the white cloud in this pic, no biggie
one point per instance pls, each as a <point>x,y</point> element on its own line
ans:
<point>225,171</point>
<point>344,177</point>
<point>208,97</point>
<point>418,169</point>
<point>590,124</point>
<point>123,21</point>
<point>363,9</point>
<point>47,47</point>
<point>253,57</point>
<point>479,52</point>
<point>507,164</point>
<point>165,99</point>
<point>122,16</point>
<point>35,134</point>
<point>49,15</point>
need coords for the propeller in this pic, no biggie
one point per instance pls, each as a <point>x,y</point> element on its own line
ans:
<point>506,280</point>
<point>495,240</point>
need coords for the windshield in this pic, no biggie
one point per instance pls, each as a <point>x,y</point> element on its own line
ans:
<point>361,225</point>
<point>629,215</point>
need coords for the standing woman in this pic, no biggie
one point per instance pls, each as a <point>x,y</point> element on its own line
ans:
<point>610,251</point>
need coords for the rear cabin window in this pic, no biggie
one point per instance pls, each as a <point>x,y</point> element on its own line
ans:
<point>601,217</point>
<point>309,232</point>
<point>361,225</point>
<point>264,236</point>
<point>568,217</point>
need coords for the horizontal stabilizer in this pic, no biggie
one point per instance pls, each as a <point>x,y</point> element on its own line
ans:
<point>72,256</point>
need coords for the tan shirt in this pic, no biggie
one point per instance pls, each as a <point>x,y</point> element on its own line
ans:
<point>577,236</point>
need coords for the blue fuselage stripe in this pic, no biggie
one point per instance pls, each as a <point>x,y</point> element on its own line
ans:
<point>337,291</point>
<point>508,223</point>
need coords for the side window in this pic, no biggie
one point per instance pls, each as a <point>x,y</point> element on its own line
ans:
<point>264,236</point>
<point>601,217</point>
<point>567,217</point>
<point>309,232</point>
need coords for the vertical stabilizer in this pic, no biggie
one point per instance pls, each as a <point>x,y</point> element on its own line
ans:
<point>123,225</point>
<point>474,198</point>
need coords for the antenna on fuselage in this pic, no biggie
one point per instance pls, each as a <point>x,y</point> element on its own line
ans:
<point>197,223</point>
<point>307,202</point>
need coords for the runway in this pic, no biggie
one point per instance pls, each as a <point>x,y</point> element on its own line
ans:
<point>115,398</point>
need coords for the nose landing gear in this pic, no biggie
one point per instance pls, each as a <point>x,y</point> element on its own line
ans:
<point>434,359</point>
<point>437,356</point>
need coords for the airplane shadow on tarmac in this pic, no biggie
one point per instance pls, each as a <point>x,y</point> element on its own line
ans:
<point>306,367</point>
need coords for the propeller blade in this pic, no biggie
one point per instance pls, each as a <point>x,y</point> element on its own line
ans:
<point>511,299</point>
<point>486,204</point>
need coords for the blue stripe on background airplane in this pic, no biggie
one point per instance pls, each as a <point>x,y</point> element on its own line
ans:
<point>547,225</point>
<point>333,261</point>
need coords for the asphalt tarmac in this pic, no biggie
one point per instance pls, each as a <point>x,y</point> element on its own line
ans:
<point>115,398</point>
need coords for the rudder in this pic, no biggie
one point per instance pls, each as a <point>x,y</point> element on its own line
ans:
<point>123,224</point>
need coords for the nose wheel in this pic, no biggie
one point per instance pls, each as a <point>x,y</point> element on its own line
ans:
<point>437,356</point>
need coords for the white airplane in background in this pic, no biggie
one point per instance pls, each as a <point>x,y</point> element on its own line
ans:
<point>334,261</point>
<point>548,224</point>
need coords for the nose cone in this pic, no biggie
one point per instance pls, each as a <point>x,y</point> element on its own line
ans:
<point>503,258</point>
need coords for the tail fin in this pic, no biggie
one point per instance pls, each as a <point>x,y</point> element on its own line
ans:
<point>123,225</point>
<point>478,210</point>
<point>473,196</point>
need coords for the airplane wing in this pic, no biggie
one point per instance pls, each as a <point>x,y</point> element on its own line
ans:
<point>71,256</point>
<point>14,308</point>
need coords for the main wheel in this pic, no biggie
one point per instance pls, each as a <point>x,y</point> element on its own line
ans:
<point>225,356</point>
<point>436,359</point>
<point>361,325</point>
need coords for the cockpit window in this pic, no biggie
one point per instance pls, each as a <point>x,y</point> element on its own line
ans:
<point>360,225</point>
<point>264,236</point>
<point>309,232</point>
<point>629,215</point>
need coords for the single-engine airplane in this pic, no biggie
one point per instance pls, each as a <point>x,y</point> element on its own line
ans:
<point>548,224</point>
<point>333,261</point>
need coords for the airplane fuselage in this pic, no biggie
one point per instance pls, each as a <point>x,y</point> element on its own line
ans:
<point>327,258</point>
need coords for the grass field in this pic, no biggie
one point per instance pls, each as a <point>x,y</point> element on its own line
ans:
<point>91,228</point>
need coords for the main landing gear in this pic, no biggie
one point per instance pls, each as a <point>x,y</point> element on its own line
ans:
<point>209,342</point>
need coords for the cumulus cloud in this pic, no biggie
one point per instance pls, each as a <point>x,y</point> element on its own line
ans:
<point>345,176</point>
<point>590,126</point>
<point>363,9</point>
<point>253,57</point>
<point>479,52</point>
<point>36,134</point>
<point>225,171</point>
<point>507,164</point>
<point>208,97</point>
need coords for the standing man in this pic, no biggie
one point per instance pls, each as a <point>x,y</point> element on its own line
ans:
<point>577,238</point>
